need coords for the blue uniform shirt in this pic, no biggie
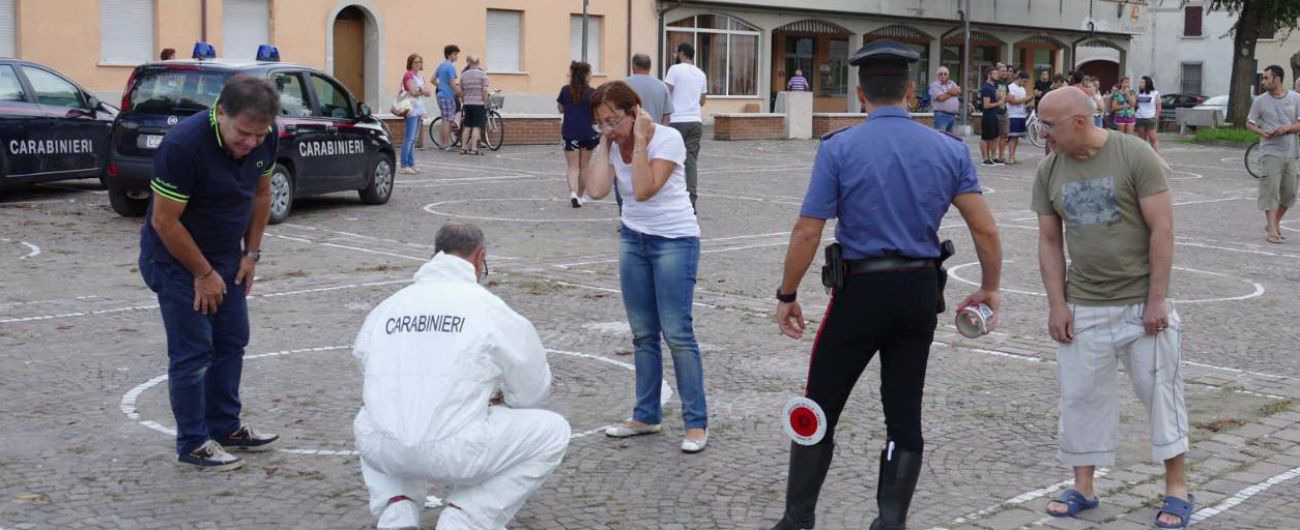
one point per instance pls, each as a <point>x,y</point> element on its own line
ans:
<point>192,166</point>
<point>446,73</point>
<point>889,182</point>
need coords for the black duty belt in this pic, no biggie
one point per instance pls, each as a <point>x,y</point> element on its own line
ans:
<point>876,265</point>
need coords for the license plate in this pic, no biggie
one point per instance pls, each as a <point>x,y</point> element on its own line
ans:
<point>152,141</point>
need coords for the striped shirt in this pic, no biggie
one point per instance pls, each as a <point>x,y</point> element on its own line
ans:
<point>473,87</point>
<point>797,84</point>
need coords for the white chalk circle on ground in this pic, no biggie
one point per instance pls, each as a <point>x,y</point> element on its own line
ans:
<point>131,397</point>
<point>1256,289</point>
<point>32,250</point>
<point>435,209</point>
<point>1190,175</point>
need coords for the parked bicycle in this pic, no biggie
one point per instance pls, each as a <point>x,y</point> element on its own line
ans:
<point>1031,128</point>
<point>492,134</point>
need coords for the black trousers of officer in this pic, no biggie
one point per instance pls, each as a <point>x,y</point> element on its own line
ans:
<point>892,313</point>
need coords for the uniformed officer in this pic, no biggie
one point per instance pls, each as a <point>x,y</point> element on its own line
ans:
<point>198,249</point>
<point>889,182</point>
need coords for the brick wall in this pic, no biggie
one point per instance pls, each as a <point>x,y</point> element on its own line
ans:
<point>531,129</point>
<point>829,122</point>
<point>521,129</point>
<point>748,126</point>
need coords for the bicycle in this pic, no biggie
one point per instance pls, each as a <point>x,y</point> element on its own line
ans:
<point>1254,161</point>
<point>493,133</point>
<point>1031,128</point>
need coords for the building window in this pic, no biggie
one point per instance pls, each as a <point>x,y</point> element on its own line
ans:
<point>1191,79</point>
<point>834,72</point>
<point>245,25</point>
<point>126,31</point>
<point>595,29</point>
<point>1192,16</point>
<point>8,29</point>
<point>725,48</point>
<point>504,29</point>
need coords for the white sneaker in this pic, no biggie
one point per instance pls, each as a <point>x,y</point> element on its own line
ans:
<point>695,445</point>
<point>622,430</point>
<point>403,514</point>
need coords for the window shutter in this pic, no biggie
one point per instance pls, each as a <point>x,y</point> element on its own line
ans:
<point>8,29</point>
<point>245,24</point>
<point>503,40</point>
<point>126,31</point>
<point>1192,16</point>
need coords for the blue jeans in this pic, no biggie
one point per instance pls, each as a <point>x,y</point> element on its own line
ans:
<point>657,275</point>
<point>944,121</point>
<point>408,140</point>
<point>205,353</point>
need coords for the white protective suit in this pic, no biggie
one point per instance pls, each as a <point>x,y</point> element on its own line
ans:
<point>432,356</point>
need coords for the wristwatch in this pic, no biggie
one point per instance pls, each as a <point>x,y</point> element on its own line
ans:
<point>786,298</point>
<point>255,254</point>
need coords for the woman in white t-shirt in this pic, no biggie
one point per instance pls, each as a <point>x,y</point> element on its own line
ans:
<point>659,255</point>
<point>1148,112</point>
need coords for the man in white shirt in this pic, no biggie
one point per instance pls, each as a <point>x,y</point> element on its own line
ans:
<point>439,359</point>
<point>689,87</point>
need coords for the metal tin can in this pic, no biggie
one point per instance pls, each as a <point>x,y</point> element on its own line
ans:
<point>974,321</point>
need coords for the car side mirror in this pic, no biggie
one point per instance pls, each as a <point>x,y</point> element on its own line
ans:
<point>93,103</point>
<point>363,110</point>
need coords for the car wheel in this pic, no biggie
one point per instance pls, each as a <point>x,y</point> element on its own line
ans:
<point>281,193</point>
<point>381,182</point>
<point>127,206</point>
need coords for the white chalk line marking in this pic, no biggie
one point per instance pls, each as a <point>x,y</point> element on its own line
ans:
<point>1256,292</point>
<point>130,399</point>
<point>50,301</point>
<point>1243,495</point>
<point>1017,500</point>
<point>33,250</point>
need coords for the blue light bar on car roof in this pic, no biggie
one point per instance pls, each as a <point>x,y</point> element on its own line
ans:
<point>203,50</point>
<point>267,52</point>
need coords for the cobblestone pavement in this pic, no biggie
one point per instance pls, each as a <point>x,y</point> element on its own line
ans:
<point>85,412</point>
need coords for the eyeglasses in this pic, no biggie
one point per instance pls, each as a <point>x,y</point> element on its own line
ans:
<point>1046,126</point>
<point>607,125</point>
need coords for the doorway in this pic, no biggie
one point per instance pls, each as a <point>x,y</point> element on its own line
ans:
<point>350,50</point>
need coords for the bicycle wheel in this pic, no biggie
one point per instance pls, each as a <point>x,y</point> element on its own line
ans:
<point>1031,130</point>
<point>453,132</point>
<point>1254,162</point>
<point>495,131</point>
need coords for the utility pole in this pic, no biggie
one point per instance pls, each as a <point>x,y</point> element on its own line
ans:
<point>965,67</point>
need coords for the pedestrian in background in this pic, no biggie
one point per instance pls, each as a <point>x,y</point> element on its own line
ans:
<point>448,91</point>
<point>1274,116</point>
<point>474,96</point>
<point>1004,122</point>
<point>945,97</point>
<point>992,103</point>
<point>1123,105</point>
<point>414,86</point>
<point>1018,101</point>
<point>659,257</point>
<point>689,87</point>
<point>1042,86</point>
<point>577,131</point>
<point>1148,112</point>
<point>797,82</point>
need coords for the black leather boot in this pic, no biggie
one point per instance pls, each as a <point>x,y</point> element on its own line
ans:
<point>898,474</point>
<point>808,467</point>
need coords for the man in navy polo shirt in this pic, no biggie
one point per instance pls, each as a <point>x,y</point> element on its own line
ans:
<point>198,249</point>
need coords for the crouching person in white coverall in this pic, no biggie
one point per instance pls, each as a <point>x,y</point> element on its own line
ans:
<point>433,355</point>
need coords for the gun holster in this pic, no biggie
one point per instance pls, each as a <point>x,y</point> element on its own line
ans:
<point>834,269</point>
<point>946,250</point>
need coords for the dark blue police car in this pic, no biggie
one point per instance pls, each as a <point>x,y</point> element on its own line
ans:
<point>50,127</point>
<point>329,141</point>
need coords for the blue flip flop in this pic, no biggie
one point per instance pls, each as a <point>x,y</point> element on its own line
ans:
<point>1074,503</point>
<point>1182,509</point>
